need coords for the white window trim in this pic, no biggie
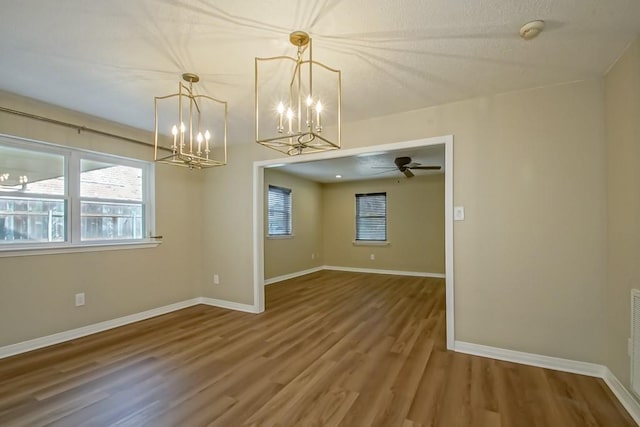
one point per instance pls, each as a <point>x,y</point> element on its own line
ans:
<point>363,242</point>
<point>371,243</point>
<point>290,235</point>
<point>72,157</point>
<point>85,247</point>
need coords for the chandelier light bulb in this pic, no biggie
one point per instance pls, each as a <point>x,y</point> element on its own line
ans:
<point>279,128</point>
<point>290,118</point>
<point>318,122</point>
<point>199,138</point>
<point>207,137</point>
<point>309,101</point>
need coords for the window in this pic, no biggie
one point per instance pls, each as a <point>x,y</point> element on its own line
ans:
<point>111,202</point>
<point>371,217</point>
<point>279,210</point>
<point>53,196</point>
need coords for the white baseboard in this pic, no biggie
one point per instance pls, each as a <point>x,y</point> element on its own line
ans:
<point>229,305</point>
<point>624,396</point>
<point>351,269</point>
<point>559,364</point>
<point>36,343</point>
<point>291,275</point>
<point>565,365</point>
<point>378,271</point>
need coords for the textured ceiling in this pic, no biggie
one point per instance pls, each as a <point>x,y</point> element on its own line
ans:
<point>375,165</point>
<point>110,58</point>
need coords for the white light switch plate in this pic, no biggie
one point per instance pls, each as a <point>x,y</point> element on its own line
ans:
<point>458,213</point>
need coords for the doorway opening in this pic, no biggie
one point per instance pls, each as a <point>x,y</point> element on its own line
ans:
<point>258,212</point>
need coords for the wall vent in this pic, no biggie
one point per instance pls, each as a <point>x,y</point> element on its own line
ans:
<point>635,341</point>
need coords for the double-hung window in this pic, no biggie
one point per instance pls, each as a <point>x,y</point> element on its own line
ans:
<point>371,217</point>
<point>60,197</point>
<point>279,211</point>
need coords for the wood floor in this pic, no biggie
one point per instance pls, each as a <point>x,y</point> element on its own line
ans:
<point>333,348</point>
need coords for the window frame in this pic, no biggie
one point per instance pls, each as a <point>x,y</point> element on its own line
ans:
<point>71,169</point>
<point>360,241</point>
<point>289,193</point>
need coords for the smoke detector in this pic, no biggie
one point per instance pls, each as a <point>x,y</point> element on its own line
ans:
<point>530,30</point>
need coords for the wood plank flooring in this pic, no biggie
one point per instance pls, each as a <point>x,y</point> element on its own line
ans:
<point>332,349</point>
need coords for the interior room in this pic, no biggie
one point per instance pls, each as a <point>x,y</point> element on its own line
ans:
<point>323,211</point>
<point>335,213</point>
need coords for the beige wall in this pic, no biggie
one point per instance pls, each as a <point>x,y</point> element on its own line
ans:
<point>290,255</point>
<point>228,224</point>
<point>623,173</point>
<point>530,259</point>
<point>37,292</point>
<point>415,225</point>
<point>530,256</point>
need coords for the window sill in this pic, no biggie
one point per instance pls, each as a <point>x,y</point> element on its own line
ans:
<point>371,243</point>
<point>67,248</point>
<point>288,236</point>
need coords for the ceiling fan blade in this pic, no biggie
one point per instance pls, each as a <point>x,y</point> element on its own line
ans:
<point>408,173</point>
<point>383,172</point>
<point>427,167</point>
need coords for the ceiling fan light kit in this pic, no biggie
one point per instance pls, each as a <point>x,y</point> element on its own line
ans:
<point>297,111</point>
<point>192,128</point>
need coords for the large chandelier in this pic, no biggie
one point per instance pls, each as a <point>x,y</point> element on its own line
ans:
<point>190,129</point>
<point>297,101</point>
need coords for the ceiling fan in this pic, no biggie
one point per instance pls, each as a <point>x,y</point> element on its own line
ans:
<point>405,165</point>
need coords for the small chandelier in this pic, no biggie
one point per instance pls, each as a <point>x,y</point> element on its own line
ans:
<point>190,129</point>
<point>299,111</point>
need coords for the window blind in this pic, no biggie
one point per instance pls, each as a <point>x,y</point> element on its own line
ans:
<point>279,210</point>
<point>371,216</point>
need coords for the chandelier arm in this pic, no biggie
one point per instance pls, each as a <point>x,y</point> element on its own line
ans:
<point>271,58</point>
<point>293,75</point>
<point>166,96</point>
<point>335,70</point>
<point>211,98</point>
<point>310,69</point>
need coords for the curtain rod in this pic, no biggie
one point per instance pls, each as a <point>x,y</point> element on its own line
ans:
<point>79,128</point>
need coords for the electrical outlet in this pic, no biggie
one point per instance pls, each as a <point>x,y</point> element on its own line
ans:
<point>216,279</point>
<point>313,256</point>
<point>80,299</point>
<point>372,257</point>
